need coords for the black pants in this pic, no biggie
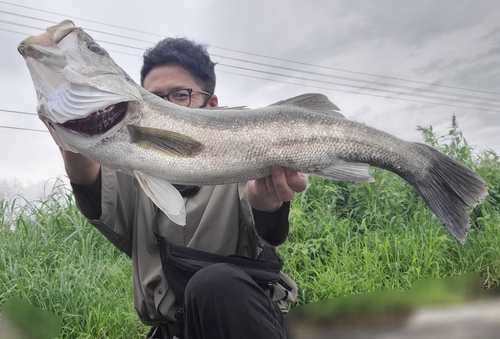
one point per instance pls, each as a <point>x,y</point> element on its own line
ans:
<point>222,301</point>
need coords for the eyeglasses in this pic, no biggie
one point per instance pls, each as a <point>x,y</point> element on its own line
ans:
<point>183,96</point>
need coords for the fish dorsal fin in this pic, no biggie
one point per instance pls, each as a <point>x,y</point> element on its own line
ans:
<point>226,108</point>
<point>169,142</point>
<point>165,196</point>
<point>346,171</point>
<point>313,101</point>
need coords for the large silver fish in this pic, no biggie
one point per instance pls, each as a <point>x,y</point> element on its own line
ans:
<point>91,106</point>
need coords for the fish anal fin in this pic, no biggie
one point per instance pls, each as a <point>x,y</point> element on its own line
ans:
<point>346,171</point>
<point>166,141</point>
<point>165,196</point>
<point>313,101</point>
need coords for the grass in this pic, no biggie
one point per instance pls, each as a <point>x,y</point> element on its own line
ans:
<point>51,257</point>
<point>345,239</point>
<point>388,246</point>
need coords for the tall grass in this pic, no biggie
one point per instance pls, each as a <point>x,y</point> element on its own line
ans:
<point>51,257</point>
<point>345,239</point>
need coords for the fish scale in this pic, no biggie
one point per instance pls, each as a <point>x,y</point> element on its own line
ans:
<point>160,143</point>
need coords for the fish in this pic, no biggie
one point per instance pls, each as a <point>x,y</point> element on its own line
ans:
<point>92,106</point>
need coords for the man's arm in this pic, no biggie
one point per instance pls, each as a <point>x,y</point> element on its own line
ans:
<point>269,198</point>
<point>80,170</point>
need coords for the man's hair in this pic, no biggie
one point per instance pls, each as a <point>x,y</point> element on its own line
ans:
<point>191,56</point>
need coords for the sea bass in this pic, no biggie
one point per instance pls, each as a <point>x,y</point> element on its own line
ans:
<point>91,106</point>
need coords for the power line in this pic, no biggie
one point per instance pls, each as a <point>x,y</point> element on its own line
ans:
<point>102,41</point>
<point>28,17</point>
<point>358,80</point>
<point>88,20</point>
<point>11,31</point>
<point>346,84</point>
<point>17,24</point>
<point>344,91</point>
<point>363,88</point>
<point>54,22</point>
<point>252,54</point>
<point>355,72</point>
<point>20,128</point>
<point>367,82</point>
<point>17,112</point>
<point>24,129</point>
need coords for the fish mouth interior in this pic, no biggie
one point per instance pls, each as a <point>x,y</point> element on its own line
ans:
<point>98,122</point>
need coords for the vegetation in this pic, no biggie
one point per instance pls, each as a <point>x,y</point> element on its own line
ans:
<point>345,239</point>
<point>53,258</point>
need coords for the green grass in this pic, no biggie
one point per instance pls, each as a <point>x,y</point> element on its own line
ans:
<point>345,239</point>
<point>51,257</point>
<point>387,245</point>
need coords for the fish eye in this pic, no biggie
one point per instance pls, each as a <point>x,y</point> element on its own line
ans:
<point>97,49</point>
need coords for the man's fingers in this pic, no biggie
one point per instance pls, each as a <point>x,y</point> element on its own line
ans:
<point>259,186</point>
<point>271,189</point>
<point>282,184</point>
<point>280,181</point>
<point>297,181</point>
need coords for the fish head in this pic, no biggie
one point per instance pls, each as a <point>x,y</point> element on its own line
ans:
<point>81,91</point>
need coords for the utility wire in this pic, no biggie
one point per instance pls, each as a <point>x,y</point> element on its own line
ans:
<point>18,24</point>
<point>346,85</point>
<point>17,112</point>
<point>246,53</point>
<point>338,77</point>
<point>358,80</point>
<point>55,22</point>
<point>361,87</point>
<point>88,20</point>
<point>11,31</point>
<point>20,128</point>
<point>308,72</point>
<point>28,17</point>
<point>355,72</point>
<point>24,129</point>
<point>345,91</point>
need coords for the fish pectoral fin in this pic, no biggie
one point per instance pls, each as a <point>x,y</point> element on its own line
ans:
<point>165,196</point>
<point>346,171</point>
<point>313,101</point>
<point>169,142</point>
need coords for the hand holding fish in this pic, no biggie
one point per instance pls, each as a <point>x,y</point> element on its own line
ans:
<point>268,194</point>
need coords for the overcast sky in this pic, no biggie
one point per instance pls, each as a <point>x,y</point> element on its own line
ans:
<point>393,65</point>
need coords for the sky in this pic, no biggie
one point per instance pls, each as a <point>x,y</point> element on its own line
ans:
<point>393,65</point>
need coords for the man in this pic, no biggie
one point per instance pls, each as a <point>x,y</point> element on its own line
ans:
<point>220,301</point>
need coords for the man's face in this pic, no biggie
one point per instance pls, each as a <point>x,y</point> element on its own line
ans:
<point>164,79</point>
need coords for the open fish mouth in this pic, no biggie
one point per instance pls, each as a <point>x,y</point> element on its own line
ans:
<point>98,122</point>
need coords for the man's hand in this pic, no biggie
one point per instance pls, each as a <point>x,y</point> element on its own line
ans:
<point>268,194</point>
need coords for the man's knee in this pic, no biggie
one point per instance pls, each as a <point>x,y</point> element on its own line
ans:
<point>216,279</point>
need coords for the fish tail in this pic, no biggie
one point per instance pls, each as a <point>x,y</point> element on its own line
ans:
<point>450,188</point>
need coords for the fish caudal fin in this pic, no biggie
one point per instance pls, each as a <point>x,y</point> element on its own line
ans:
<point>449,189</point>
<point>165,196</point>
